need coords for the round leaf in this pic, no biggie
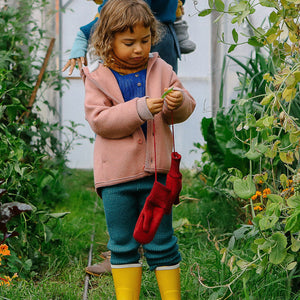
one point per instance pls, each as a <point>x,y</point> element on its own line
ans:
<point>244,188</point>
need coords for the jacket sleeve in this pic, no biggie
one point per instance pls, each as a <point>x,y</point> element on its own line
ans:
<point>109,117</point>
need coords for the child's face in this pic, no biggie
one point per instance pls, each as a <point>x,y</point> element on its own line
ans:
<point>133,47</point>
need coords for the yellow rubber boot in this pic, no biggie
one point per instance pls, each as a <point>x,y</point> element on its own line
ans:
<point>127,281</point>
<point>168,279</point>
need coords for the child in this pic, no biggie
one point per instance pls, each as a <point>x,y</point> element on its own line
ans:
<point>174,41</point>
<point>122,104</point>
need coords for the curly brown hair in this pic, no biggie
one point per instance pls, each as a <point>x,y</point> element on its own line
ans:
<point>119,16</point>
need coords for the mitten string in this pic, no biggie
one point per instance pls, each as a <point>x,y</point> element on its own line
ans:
<point>154,142</point>
<point>173,131</point>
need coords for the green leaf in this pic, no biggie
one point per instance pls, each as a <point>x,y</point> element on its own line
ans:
<point>253,154</point>
<point>204,12</point>
<point>273,209</point>
<point>267,222</point>
<point>287,157</point>
<point>273,17</point>
<point>211,3</point>
<point>275,198</point>
<point>253,41</point>
<point>294,136</point>
<point>293,223</point>
<point>279,251</point>
<point>291,266</point>
<point>250,120</point>
<point>238,7</point>
<point>266,246</point>
<point>265,122</point>
<point>267,3</point>
<point>235,35</point>
<point>244,188</point>
<point>294,201</point>
<point>58,215</point>
<point>267,99</point>
<point>242,264</point>
<point>256,150</point>
<point>219,4</point>
<point>295,245</point>
<point>231,48</point>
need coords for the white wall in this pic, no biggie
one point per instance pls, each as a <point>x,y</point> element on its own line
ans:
<point>194,71</point>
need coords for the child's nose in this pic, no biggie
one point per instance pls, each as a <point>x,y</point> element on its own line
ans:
<point>138,48</point>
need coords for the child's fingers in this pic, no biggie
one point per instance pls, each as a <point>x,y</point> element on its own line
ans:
<point>155,105</point>
<point>174,100</point>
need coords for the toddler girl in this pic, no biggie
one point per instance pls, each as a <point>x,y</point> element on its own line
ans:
<point>122,104</point>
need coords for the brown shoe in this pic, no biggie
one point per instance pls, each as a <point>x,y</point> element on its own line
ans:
<point>105,255</point>
<point>98,269</point>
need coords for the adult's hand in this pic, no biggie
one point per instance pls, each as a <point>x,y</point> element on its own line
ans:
<point>71,63</point>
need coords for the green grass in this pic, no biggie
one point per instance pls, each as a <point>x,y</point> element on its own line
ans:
<point>200,248</point>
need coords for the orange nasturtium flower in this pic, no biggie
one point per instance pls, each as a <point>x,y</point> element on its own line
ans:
<point>4,249</point>
<point>257,194</point>
<point>266,192</point>
<point>7,280</point>
<point>257,208</point>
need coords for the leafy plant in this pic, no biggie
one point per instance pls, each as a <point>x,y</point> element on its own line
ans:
<point>33,160</point>
<point>263,124</point>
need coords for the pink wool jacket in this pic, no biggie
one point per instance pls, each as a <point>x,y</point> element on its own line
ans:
<point>121,152</point>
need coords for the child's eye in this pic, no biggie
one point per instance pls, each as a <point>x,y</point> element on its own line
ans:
<point>145,41</point>
<point>128,44</point>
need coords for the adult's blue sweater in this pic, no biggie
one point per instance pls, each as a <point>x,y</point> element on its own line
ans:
<point>163,10</point>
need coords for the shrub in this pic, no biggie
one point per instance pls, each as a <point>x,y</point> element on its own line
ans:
<point>33,161</point>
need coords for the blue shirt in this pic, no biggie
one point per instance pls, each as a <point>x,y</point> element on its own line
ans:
<point>133,85</point>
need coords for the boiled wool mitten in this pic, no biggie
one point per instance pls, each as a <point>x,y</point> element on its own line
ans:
<point>174,182</point>
<point>151,214</point>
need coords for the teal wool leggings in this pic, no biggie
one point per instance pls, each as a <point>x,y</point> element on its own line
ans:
<point>122,205</point>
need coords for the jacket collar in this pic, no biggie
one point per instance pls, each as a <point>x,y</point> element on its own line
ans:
<point>102,77</point>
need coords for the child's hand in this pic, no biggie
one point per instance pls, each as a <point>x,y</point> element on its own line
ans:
<point>155,105</point>
<point>174,99</point>
<point>72,63</point>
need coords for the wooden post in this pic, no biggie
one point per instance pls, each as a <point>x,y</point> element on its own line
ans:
<point>40,77</point>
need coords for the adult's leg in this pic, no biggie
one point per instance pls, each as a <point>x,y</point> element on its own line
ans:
<point>168,46</point>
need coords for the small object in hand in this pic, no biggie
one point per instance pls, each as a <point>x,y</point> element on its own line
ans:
<point>167,92</point>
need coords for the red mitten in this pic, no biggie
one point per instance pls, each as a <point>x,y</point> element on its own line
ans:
<point>174,182</point>
<point>151,214</point>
